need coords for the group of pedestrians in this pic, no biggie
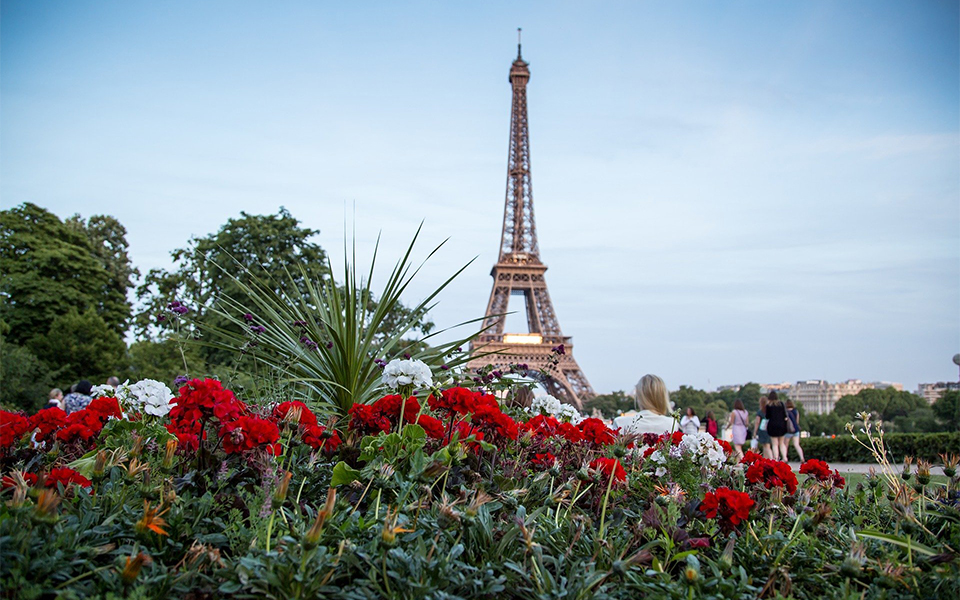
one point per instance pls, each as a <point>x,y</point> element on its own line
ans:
<point>774,425</point>
<point>772,428</point>
<point>79,396</point>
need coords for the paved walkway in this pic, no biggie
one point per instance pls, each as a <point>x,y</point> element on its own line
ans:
<point>854,467</point>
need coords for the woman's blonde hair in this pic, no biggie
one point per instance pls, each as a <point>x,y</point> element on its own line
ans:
<point>652,395</point>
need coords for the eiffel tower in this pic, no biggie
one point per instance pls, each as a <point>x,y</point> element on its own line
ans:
<point>520,272</point>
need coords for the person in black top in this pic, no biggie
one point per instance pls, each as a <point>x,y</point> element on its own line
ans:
<point>776,425</point>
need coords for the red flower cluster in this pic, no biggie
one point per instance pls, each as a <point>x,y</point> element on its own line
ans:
<point>822,472</point>
<point>432,426</point>
<point>772,473</point>
<point>83,425</point>
<point>307,418</point>
<point>492,420</point>
<point>541,426</point>
<point>366,420</point>
<point>47,422</point>
<point>319,437</point>
<point>596,432</point>
<point>12,428</point>
<point>460,400</point>
<point>610,467</point>
<point>203,400</point>
<point>66,476</point>
<point>732,506</point>
<point>249,432</point>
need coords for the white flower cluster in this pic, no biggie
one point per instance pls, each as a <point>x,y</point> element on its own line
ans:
<point>548,405</point>
<point>401,373</point>
<point>150,396</point>
<point>146,396</point>
<point>698,447</point>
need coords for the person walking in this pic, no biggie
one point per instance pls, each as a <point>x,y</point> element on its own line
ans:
<point>711,424</point>
<point>794,415</point>
<point>738,422</point>
<point>777,426</point>
<point>653,402</point>
<point>760,428</point>
<point>690,423</point>
<point>79,399</point>
<point>55,399</point>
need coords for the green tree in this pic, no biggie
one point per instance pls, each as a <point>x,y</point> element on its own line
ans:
<point>687,397</point>
<point>48,269</point>
<point>83,346</point>
<point>886,404</point>
<point>24,380</point>
<point>161,360</point>
<point>108,239</point>
<point>947,410</point>
<point>826,424</point>
<point>273,249</point>
<point>610,405</point>
<point>750,394</point>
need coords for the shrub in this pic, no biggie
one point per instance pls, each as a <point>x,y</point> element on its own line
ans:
<point>845,449</point>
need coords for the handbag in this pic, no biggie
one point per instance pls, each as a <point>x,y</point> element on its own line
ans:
<point>763,424</point>
<point>791,428</point>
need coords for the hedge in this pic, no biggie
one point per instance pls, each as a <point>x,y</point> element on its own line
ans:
<point>845,449</point>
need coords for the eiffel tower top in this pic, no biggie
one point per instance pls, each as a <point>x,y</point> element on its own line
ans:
<point>518,239</point>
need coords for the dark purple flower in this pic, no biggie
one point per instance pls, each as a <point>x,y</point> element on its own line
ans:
<point>406,356</point>
<point>445,367</point>
<point>258,329</point>
<point>161,318</point>
<point>180,380</point>
<point>299,323</point>
<point>329,344</point>
<point>559,350</point>
<point>248,317</point>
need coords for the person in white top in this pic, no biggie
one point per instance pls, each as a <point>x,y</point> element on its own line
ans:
<point>690,423</point>
<point>653,402</point>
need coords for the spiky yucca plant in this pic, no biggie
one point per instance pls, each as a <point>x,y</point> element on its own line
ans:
<point>326,338</point>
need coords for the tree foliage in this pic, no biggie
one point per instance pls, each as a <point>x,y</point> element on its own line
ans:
<point>82,346</point>
<point>610,405</point>
<point>947,410</point>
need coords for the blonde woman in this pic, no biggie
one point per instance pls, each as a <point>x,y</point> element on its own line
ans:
<point>653,402</point>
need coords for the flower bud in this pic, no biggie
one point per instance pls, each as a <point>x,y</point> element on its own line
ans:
<point>46,508</point>
<point>132,568</point>
<point>100,465</point>
<point>169,453</point>
<point>280,494</point>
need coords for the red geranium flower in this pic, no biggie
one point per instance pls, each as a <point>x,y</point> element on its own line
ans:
<point>105,408</point>
<point>203,400</point>
<point>570,432</point>
<point>432,426</point>
<point>66,476</point>
<point>817,468</point>
<point>493,421</point>
<point>307,418</point>
<point>542,426</point>
<point>610,467</point>
<point>186,440</point>
<point>676,437</point>
<point>390,407</point>
<point>319,437</point>
<point>47,422</point>
<point>249,432</point>
<point>732,506</point>
<point>838,480</point>
<point>81,426</point>
<point>365,419</point>
<point>750,457</point>
<point>12,428</point>
<point>772,473</point>
<point>596,432</point>
<point>727,448</point>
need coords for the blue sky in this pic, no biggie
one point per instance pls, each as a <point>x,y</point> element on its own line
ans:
<point>724,191</point>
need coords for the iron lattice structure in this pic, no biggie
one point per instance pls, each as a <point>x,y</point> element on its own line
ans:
<point>519,271</point>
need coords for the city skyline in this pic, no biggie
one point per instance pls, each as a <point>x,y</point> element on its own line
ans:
<point>723,193</point>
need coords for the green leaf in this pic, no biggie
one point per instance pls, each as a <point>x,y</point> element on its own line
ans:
<point>343,474</point>
<point>896,540</point>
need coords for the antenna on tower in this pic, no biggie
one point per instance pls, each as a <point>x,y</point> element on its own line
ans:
<point>518,41</point>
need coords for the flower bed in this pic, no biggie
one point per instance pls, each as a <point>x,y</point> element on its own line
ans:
<point>442,494</point>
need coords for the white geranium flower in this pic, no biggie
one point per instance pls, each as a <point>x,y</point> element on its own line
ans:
<point>151,397</point>
<point>401,373</point>
<point>545,405</point>
<point>568,412</point>
<point>101,391</point>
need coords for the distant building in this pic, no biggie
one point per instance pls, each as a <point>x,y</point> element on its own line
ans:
<point>779,388</point>
<point>819,396</point>
<point>723,388</point>
<point>931,392</point>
